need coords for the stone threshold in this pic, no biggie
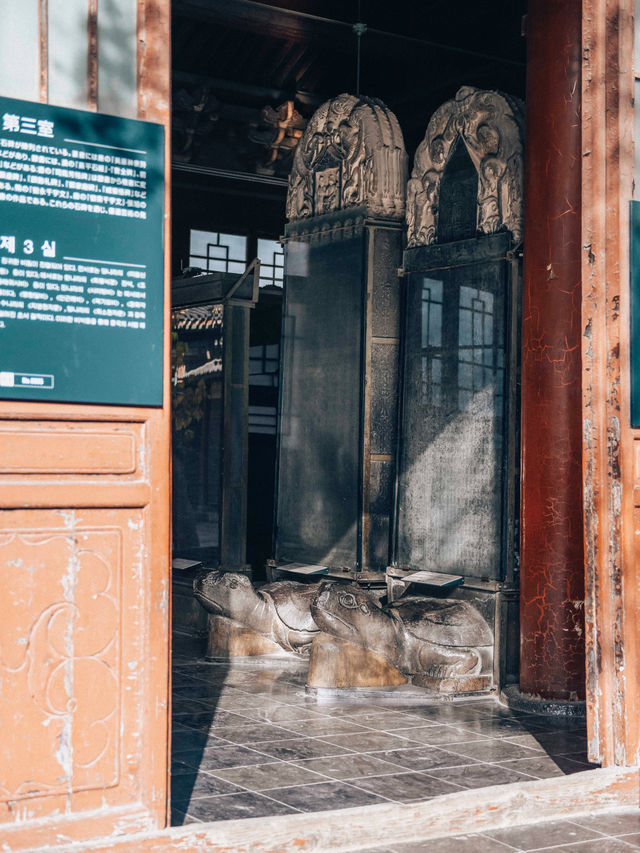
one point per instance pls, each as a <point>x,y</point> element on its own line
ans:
<point>354,829</point>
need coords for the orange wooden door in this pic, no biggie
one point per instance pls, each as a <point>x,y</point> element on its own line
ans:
<point>84,525</point>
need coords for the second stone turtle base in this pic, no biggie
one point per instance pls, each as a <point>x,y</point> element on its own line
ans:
<point>338,664</point>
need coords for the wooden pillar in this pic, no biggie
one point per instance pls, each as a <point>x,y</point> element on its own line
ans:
<point>611,446</point>
<point>552,575</point>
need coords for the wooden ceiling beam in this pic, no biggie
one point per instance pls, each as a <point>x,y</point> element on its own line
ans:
<point>282,23</point>
<point>262,92</point>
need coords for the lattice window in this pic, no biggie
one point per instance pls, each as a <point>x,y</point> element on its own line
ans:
<point>262,419</point>
<point>212,251</point>
<point>271,256</point>
<point>264,361</point>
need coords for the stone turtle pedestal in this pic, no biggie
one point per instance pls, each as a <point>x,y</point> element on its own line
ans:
<point>442,645</point>
<point>245,621</point>
<point>338,663</point>
<point>229,639</point>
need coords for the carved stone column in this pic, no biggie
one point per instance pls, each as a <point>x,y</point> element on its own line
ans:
<point>552,579</point>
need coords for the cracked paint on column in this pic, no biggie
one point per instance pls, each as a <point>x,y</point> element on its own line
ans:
<point>552,572</point>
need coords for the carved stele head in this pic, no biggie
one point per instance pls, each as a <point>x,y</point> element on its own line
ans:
<point>351,155</point>
<point>491,127</point>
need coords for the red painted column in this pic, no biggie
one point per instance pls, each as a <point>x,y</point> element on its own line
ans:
<point>552,662</point>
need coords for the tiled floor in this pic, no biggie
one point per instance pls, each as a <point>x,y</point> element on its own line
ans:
<point>248,742</point>
<point>615,832</point>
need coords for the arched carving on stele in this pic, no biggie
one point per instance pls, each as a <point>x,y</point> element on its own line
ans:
<point>491,126</point>
<point>351,155</point>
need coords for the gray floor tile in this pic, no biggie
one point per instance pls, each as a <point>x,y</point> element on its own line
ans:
<point>236,807</point>
<point>276,774</point>
<point>528,740</point>
<point>406,787</point>
<point>179,818</point>
<point>349,766</point>
<point>280,713</point>
<point>184,708</point>
<point>188,751</point>
<point>188,740</point>
<point>229,718</point>
<point>500,727</point>
<point>324,726</point>
<point>350,709</point>
<point>547,834</point>
<point>186,788</point>
<point>424,758</point>
<point>369,742</point>
<point>200,668</point>
<point>198,690</point>
<point>389,721</point>
<point>253,733</point>
<point>481,775</point>
<point>448,713</point>
<point>203,719</point>
<point>178,681</point>
<point>231,755</point>
<point>542,766</point>
<point>612,823</point>
<point>602,845</point>
<point>564,724</point>
<point>250,729</point>
<point>562,743</point>
<point>179,767</point>
<point>471,843</point>
<point>439,734</point>
<point>377,850</point>
<point>569,764</point>
<point>278,691</point>
<point>294,750</point>
<point>633,839</point>
<point>491,750</point>
<point>236,700</point>
<point>325,795</point>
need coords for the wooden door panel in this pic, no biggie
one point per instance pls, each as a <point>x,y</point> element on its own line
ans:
<point>69,666</point>
<point>61,448</point>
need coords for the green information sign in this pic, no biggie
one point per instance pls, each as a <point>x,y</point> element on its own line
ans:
<point>81,256</point>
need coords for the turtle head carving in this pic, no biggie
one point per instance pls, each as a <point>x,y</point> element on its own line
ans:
<point>225,593</point>
<point>349,613</point>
